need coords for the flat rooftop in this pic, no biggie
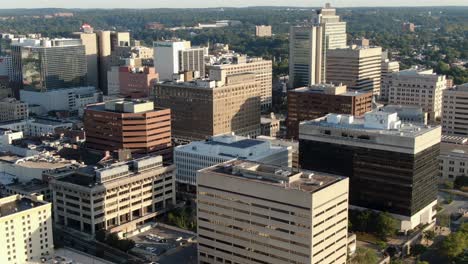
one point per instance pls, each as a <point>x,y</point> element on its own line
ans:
<point>29,187</point>
<point>282,177</point>
<point>17,206</point>
<point>453,149</point>
<point>316,90</point>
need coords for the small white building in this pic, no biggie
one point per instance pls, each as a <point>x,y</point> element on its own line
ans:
<point>202,154</point>
<point>453,161</point>
<point>69,99</point>
<point>35,127</point>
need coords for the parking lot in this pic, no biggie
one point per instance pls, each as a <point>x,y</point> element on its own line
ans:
<point>161,242</point>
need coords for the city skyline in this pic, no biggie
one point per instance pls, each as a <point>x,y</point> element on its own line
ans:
<point>107,4</point>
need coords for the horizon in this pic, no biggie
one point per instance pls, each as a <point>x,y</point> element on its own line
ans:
<point>190,4</point>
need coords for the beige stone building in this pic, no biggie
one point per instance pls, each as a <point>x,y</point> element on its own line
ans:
<point>388,67</point>
<point>12,109</point>
<point>418,87</point>
<point>455,110</point>
<point>306,56</point>
<point>255,213</point>
<point>117,198</point>
<point>26,223</point>
<point>243,64</point>
<point>204,108</point>
<point>263,31</point>
<point>453,161</point>
<point>359,68</point>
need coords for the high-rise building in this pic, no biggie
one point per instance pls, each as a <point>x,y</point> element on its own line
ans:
<point>418,87</point>
<point>176,56</point>
<point>359,68</point>
<point>134,125</point>
<point>202,154</point>
<point>308,103</point>
<point>263,31</point>
<point>12,109</point>
<point>250,212</point>
<point>116,198</point>
<point>90,42</point>
<point>204,108</point>
<point>333,34</point>
<point>48,64</point>
<point>305,56</point>
<point>392,166</point>
<point>243,64</point>
<point>388,67</point>
<point>26,223</point>
<point>455,112</point>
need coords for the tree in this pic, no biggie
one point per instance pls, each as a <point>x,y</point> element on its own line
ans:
<point>460,182</point>
<point>362,220</point>
<point>364,255</point>
<point>382,245</point>
<point>454,244</point>
<point>429,235</point>
<point>418,249</point>
<point>385,225</point>
<point>422,262</point>
<point>100,235</point>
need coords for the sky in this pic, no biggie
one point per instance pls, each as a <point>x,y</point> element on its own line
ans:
<point>217,3</point>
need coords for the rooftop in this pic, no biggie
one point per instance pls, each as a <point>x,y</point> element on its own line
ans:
<point>283,177</point>
<point>450,149</point>
<point>124,106</point>
<point>9,206</point>
<point>30,187</point>
<point>376,122</point>
<point>332,89</point>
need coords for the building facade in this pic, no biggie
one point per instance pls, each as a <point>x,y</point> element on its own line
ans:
<point>359,68</point>
<point>305,56</point>
<point>202,154</point>
<point>11,109</point>
<point>263,31</point>
<point>418,87</point>
<point>255,213</point>
<point>137,82</point>
<point>204,108</point>
<point>241,64</point>
<point>117,198</point>
<point>26,229</point>
<point>128,124</point>
<point>316,101</point>
<point>44,65</point>
<point>392,166</point>
<point>388,67</point>
<point>453,161</point>
<point>454,120</point>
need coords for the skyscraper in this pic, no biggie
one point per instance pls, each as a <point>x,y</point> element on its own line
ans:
<point>305,56</point>
<point>388,67</point>
<point>454,115</point>
<point>392,165</point>
<point>176,56</point>
<point>47,64</point>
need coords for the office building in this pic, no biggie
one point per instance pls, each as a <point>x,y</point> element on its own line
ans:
<point>6,70</point>
<point>26,223</point>
<point>388,67</point>
<point>270,126</point>
<point>73,100</point>
<point>176,56</point>
<point>308,103</point>
<point>47,64</point>
<point>90,41</point>
<point>306,56</point>
<point>418,87</point>
<point>117,198</point>
<point>263,31</point>
<point>407,113</point>
<point>11,109</point>
<point>359,68</point>
<point>333,34</point>
<point>131,82</point>
<point>407,27</point>
<point>202,154</point>
<point>255,213</point>
<point>135,125</point>
<point>453,161</point>
<point>239,64</point>
<point>204,108</point>
<point>454,115</point>
<point>36,127</point>
<point>290,144</point>
<point>392,166</point>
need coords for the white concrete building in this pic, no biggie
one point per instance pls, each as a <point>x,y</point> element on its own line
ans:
<point>453,161</point>
<point>26,224</point>
<point>174,56</point>
<point>35,127</point>
<point>455,110</point>
<point>113,81</point>
<point>201,154</point>
<point>418,87</point>
<point>69,99</point>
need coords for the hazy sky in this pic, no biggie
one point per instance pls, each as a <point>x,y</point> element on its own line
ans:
<point>215,3</point>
